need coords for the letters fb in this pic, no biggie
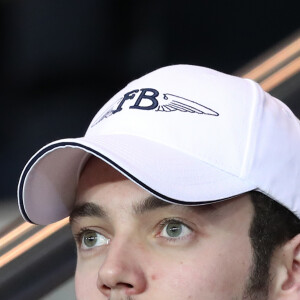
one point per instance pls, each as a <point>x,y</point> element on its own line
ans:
<point>165,103</point>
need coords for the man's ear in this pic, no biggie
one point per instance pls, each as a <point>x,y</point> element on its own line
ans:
<point>285,271</point>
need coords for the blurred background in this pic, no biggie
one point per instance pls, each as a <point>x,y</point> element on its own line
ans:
<point>60,60</point>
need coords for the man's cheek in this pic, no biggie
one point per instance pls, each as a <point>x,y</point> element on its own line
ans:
<point>86,283</point>
<point>186,278</point>
<point>206,276</point>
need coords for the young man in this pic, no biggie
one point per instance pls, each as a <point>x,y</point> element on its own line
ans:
<point>185,186</point>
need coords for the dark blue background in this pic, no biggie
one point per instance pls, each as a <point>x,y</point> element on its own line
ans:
<point>60,60</point>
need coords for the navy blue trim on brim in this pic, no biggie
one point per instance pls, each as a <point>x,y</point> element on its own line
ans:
<point>104,158</point>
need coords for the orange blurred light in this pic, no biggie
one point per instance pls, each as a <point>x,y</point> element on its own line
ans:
<point>32,241</point>
<point>274,61</point>
<point>14,234</point>
<point>282,75</point>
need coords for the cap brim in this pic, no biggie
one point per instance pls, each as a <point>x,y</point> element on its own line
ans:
<point>47,186</point>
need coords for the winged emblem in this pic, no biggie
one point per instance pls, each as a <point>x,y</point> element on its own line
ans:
<point>110,111</point>
<point>167,103</point>
<point>172,102</point>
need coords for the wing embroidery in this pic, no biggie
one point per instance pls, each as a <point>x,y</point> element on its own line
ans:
<point>108,112</point>
<point>173,103</point>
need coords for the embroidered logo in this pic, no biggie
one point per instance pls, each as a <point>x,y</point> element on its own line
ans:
<point>149,96</point>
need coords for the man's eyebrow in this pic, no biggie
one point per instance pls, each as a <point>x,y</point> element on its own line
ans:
<point>152,203</point>
<point>88,209</point>
<point>148,204</point>
<point>91,209</point>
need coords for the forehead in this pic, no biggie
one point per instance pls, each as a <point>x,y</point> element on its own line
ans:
<point>101,182</point>
<point>96,171</point>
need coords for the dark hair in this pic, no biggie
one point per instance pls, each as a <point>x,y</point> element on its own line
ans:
<point>271,227</point>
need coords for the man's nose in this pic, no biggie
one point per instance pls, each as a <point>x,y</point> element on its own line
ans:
<point>122,270</point>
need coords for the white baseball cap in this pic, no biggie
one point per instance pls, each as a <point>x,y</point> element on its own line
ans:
<point>187,134</point>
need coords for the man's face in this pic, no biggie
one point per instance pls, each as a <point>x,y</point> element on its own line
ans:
<point>134,246</point>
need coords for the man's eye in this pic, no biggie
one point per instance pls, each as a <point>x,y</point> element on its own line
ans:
<point>91,239</point>
<point>175,230</point>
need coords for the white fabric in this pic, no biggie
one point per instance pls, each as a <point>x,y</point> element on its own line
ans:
<point>206,136</point>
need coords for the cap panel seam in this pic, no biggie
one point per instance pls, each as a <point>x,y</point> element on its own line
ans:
<point>252,134</point>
